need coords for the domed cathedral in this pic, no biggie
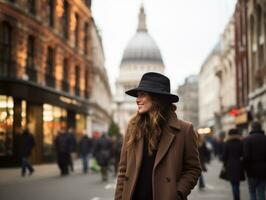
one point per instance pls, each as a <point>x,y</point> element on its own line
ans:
<point>140,56</point>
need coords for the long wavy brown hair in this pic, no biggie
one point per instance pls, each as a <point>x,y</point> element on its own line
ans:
<point>151,123</point>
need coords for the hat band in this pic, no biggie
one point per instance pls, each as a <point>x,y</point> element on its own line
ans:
<point>154,85</point>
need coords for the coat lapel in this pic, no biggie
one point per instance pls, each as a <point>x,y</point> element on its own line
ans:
<point>166,140</point>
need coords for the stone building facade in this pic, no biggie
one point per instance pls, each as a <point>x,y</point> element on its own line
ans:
<point>209,99</point>
<point>45,72</point>
<point>187,107</point>
<point>101,96</point>
<point>226,72</point>
<point>256,23</point>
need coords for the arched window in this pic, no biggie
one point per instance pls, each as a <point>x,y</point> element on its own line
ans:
<point>5,47</point>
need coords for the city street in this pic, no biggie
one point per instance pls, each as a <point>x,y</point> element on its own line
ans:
<point>47,184</point>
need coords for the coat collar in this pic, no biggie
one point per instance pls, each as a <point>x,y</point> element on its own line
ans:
<point>174,122</point>
<point>166,140</point>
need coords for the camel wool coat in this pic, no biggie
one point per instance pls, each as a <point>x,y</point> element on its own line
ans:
<point>176,168</point>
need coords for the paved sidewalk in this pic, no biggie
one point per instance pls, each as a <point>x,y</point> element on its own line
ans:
<point>13,175</point>
<point>216,188</point>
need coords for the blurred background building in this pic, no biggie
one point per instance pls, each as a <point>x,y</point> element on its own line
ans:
<point>255,13</point>
<point>187,107</point>
<point>209,100</point>
<point>141,55</point>
<point>226,73</point>
<point>100,113</point>
<point>48,73</point>
<point>240,66</point>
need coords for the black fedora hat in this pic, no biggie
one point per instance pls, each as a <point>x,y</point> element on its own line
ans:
<point>155,83</point>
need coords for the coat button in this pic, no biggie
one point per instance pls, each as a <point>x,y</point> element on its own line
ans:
<point>126,178</point>
<point>168,179</point>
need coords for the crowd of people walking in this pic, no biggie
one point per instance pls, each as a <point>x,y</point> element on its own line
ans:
<point>243,159</point>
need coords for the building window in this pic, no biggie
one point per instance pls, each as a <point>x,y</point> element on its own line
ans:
<point>77,78</point>
<point>65,85</point>
<point>30,68</point>
<point>5,47</point>
<point>65,19</point>
<point>31,6</point>
<point>30,52</point>
<point>86,82</point>
<point>86,37</point>
<point>77,31</point>
<point>50,61</point>
<point>6,125</point>
<point>65,68</point>
<point>50,80</point>
<point>51,12</point>
<point>88,3</point>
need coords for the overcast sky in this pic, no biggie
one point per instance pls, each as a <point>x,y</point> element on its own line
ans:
<point>185,31</point>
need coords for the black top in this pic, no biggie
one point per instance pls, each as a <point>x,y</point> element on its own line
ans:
<point>143,189</point>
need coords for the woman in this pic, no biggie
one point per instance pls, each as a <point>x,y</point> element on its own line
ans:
<point>232,159</point>
<point>159,157</point>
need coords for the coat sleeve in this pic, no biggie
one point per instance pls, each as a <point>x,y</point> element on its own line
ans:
<point>121,170</point>
<point>191,165</point>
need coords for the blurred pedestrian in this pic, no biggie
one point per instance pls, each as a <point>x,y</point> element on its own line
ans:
<point>159,158</point>
<point>233,161</point>
<point>85,147</point>
<point>220,145</point>
<point>102,154</point>
<point>117,145</point>
<point>203,156</point>
<point>62,146</point>
<point>255,161</point>
<point>27,143</point>
<point>73,147</point>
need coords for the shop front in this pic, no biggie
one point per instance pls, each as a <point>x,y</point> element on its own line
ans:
<point>43,112</point>
<point>242,120</point>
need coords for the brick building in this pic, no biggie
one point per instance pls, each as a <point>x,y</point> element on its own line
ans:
<point>45,72</point>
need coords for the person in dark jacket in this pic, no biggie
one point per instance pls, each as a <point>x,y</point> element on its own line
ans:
<point>85,147</point>
<point>73,147</point>
<point>102,154</point>
<point>117,145</point>
<point>203,156</point>
<point>255,161</point>
<point>233,161</point>
<point>62,146</point>
<point>27,143</point>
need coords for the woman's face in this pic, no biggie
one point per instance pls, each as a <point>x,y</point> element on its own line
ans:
<point>144,102</point>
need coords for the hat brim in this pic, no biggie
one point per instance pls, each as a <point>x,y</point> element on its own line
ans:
<point>134,93</point>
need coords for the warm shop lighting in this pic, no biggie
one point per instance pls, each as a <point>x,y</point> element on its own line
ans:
<point>204,130</point>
